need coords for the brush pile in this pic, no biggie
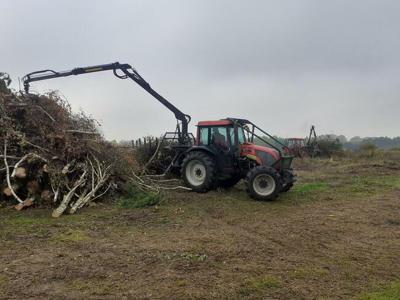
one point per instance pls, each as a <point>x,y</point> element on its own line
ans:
<point>52,156</point>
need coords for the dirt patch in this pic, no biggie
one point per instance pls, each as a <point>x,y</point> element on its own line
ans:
<point>331,237</point>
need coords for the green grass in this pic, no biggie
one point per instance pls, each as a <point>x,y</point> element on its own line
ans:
<point>310,272</point>
<point>354,186</point>
<point>310,187</point>
<point>72,236</point>
<point>391,292</point>
<point>194,257</point>
<point>303,192</point>
<point>3,280</point>
<point>260,284</point>
<point>181,283</point>
<point>34,218</point>
<point>370,185</point>
<point>23,220</point>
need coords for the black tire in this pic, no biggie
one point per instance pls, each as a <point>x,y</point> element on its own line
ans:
<point>199,171</point>
<point>263,183</point>
<point>287,177</point>
<point>287,187</point>
<point>229,182</point>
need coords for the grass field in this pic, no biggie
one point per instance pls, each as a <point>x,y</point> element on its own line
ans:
<point>336,235</point>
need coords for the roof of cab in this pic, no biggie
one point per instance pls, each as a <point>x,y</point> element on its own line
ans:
<point>215,123</point>
<point>223,122</point>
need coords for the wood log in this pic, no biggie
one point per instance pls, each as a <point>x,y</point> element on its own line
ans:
<point>46,195</point>
<point>28,202</point>
<point>20,173</point>
<point>33,187</point>
<point>7,191</point>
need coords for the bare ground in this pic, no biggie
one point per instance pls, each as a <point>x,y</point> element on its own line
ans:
<point>336,235</point>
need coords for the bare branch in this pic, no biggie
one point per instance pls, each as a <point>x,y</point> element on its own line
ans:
<point>82,132</point>
<point>36,146</point>
<point>34,155</point>
<point>97,182</point>
<point>10,156</point>
<point>8,174</point>
<point>153,157</point>
<point>45,112</point>
<point>67,198</point>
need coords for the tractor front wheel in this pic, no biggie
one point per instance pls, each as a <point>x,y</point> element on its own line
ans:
<point>263,183</point>
<point>287,187</point>
<point>199,171</point>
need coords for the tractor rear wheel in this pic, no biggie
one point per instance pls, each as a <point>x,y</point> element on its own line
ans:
<point>199,171</point>
<point>263,183</point>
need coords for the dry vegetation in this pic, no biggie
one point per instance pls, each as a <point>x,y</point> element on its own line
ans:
<point>51,156</point>
<point>336,235</point>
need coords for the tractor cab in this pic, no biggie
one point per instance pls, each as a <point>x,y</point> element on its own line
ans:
<point>228,150</point>
<point>238,138</point>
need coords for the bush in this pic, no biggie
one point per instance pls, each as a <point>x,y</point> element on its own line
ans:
<point>329,147</point>
<point>368,149</point>
<point>4,82</point>
<point>134,198</point>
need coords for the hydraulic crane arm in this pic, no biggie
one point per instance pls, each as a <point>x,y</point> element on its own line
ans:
<point>312,135</point>
<point>126,72</point>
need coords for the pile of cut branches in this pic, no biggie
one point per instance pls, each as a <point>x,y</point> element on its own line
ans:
<point>52,156</point>
<point>154,154</point>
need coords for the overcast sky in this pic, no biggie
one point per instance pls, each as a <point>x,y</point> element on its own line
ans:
<point>283,64</point>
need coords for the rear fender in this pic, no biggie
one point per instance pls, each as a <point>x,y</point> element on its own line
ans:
<point>177,163</point>
<point>203,149</point>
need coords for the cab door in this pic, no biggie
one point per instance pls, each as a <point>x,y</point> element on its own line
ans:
<point>221,142</point>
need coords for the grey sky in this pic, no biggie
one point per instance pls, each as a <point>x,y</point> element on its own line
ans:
<point>283,64</point>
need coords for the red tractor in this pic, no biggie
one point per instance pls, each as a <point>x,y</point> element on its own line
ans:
<point>296,146</point>
<point>308,147</point>
<point>224,151</point>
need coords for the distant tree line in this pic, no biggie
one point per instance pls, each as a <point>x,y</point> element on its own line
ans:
<point>329,141</point>
<point>357,142</point>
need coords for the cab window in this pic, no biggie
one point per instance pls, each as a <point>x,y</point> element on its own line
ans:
<point>231,131</point>
<point>219,135</point>
<point>241,136</point>
<point>204,136</point>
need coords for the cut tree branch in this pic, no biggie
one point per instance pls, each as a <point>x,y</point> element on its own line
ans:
<point>8,174</point>
<point>34,155</point>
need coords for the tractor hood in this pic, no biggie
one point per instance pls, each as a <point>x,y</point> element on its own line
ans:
<point>263,155</point>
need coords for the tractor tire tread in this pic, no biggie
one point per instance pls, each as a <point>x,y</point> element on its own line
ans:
<point>211,171</point>
<point>260,170</point>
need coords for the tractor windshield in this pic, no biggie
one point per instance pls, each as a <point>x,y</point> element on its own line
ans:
<point>241,138</point>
